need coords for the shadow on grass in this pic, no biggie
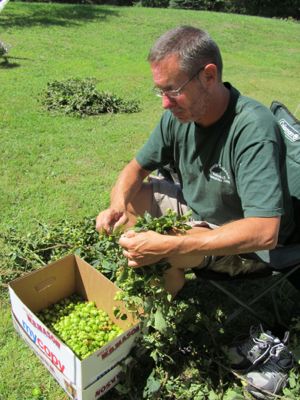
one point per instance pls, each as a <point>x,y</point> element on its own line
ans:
<point>8,65</point>
<point>50,14</point>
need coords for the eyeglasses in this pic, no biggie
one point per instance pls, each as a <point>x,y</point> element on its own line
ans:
<point>171,94</point>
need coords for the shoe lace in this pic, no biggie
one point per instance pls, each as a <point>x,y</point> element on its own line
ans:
<point>255,332</point>
<point>254,339</point>
<point>272,364</point>
<point>248,347</point>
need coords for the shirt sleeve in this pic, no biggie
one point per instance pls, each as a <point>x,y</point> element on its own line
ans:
<point>157,151</point>
<point>258,171</point>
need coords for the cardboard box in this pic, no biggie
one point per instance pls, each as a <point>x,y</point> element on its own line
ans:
<point>37,290</point>
<point>104,382</point>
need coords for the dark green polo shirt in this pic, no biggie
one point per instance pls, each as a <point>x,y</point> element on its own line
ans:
<point>233,169</point>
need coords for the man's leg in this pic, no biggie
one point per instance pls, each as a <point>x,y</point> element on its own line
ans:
<point>175,275</point>
<point>156,197</point>
<point>142,202</point>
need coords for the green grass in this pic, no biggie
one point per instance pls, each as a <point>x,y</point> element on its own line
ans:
<point>55,167</point>
<point>63,167</point>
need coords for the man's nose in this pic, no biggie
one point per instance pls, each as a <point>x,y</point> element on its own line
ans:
<point>167,102</point>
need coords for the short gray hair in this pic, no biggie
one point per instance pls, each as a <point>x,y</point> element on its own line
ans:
<point>194,47</point>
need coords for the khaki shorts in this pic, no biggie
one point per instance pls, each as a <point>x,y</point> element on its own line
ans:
<point>167,195</point>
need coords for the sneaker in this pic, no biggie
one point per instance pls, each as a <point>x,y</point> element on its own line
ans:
<point>246,354</point>
<point>271,377</point>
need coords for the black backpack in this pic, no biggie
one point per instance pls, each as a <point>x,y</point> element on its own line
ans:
<point>290,129</point>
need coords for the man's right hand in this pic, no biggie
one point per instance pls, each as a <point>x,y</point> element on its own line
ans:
<point>128,185</point>
<point>108,220</point>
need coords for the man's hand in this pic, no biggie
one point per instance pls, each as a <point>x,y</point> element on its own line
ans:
<point>146,248</point>
<point>108,220</point>
<point>143,248</point>
<point>125,199</point>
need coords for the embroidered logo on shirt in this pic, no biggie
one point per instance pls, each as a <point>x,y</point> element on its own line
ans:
<point>219,173</point>
<point>289,132</point>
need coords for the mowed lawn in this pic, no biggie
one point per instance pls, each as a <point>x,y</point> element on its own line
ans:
<point>55,167</point>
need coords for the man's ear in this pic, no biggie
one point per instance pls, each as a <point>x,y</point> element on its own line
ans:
<point>210,73</point>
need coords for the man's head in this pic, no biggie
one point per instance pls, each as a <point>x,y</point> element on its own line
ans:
<point>186,66</point>
<point>193,47</point>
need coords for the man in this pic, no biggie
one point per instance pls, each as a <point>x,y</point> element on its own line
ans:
<point>228,154</point>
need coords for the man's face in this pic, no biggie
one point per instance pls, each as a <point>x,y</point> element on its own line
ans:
<point>192,104</point>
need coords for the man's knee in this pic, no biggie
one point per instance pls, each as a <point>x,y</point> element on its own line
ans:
<point>157,196</point>
<point>167,195</point>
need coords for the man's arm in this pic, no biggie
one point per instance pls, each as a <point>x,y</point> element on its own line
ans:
<point>237,237</point>
<point>127,186</point>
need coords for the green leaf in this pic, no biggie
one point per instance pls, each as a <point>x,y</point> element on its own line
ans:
<point>233,395</point>
<point>213,396</point>
<point>153,385</point>
<point>159,321</point>
<point>292,380</point>
<point>169,297</point>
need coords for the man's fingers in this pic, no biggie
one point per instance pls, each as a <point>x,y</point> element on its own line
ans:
<point>128,234</point>
<point>133,264</point>
<point>133,261</point>
<point>104,228</point>
<point>120,222</point>
<point>103,222</point>
<point>110,220</point>
<point>132,256</point>
<point>126,254</point>
<point>124,240</point>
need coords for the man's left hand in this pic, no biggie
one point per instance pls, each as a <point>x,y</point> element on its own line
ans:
<point>143,248</point>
